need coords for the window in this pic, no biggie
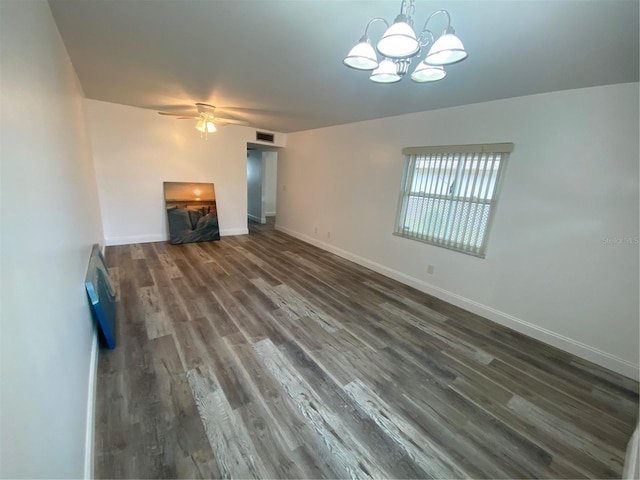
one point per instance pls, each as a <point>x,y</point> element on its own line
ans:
<point>449,195</point>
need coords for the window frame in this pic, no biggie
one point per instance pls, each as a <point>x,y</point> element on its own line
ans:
<point>464,155</point>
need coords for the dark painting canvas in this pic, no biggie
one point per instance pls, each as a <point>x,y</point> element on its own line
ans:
<point>192,212</point>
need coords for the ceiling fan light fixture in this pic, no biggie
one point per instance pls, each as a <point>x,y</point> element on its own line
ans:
<point>206,126</point>
<point>362,56</point>
<point>205,118</point>
<point>448,49</point>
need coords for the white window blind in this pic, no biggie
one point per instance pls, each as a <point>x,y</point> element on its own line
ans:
<point>449,194</point>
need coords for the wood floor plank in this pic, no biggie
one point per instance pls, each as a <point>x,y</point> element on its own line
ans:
<point>261,356</point>
<point>530,437</point>
<point>172,306</point>
<point>216,314</point>
<point>268,442</point>
<point>295,305</point>
<point>228,373</point>
<point>429,456</point>
<point>441,428</point>
<point>349,456</point>
<point>283,414</point>
<point>566,432</point>
<point>577,412</point>
<point>441,334</point>
<point>231,443</point>
<point>190,347</point>
<point>183,431</point>
<point>388,454</point>
<point>562,380</point>
<point>155,319</point>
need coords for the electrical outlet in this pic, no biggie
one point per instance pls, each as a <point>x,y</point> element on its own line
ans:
<point>284,188</point>
<point>315,230</point>
<point>328,234</point>
<point>430,269</point>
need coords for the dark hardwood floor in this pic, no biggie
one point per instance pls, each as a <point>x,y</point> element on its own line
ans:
<point>261,356</point>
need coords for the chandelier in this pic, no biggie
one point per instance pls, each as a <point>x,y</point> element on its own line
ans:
<point>400,45</point>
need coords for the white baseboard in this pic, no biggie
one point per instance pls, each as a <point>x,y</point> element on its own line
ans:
<point>128,240</point>
<point>161,237</point>
<point>234,231</point>
<point>270,214</point>
<point>632,459</point>
<point>592,354</point>
<point>91,408</point>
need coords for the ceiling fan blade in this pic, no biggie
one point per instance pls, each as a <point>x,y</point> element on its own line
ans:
<point>184,115</point>
<point>206,113</point>
<point>229,121</point>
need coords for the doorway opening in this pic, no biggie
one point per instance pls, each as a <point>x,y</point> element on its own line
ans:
<point>262,178</point>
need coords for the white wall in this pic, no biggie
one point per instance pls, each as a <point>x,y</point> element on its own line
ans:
<point>553,269</point>
<point>255,182</point>
<point>50,219</point>
<point>270,182</point>
<point>135,150</point>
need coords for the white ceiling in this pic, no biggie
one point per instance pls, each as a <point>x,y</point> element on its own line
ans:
<point>279,62</point>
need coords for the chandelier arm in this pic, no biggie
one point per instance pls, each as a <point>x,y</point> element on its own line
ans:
<point>436,13</point>
<point>372,21</point>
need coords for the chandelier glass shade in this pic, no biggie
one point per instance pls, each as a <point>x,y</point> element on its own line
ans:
<point>427,73</point>
<point>386,72</point>
<point>362,56</point>
<point>399,41</point>
<point>400,46</point>
<point>447,50</point>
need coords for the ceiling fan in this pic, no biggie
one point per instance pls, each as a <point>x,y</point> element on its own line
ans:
<point>207,120</point>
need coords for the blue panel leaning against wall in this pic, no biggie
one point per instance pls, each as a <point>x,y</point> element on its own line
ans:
<point>102,296</point>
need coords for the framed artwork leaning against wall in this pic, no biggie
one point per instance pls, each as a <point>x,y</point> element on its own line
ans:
<point>191,212</point>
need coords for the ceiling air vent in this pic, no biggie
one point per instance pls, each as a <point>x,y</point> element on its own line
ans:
<point>264,137</point>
